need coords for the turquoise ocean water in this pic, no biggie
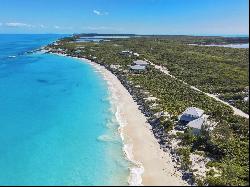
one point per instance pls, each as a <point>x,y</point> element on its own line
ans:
<point>57,125</point>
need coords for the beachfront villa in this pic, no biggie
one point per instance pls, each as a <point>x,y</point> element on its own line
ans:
<point>193,118</point>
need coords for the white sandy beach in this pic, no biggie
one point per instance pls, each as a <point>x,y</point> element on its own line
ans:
<point>141,146</point>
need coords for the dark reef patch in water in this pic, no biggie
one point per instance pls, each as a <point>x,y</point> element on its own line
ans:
<point>42,81</point>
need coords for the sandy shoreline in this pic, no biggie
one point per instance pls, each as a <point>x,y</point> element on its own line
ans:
<point>152,166</point>
<point>141,147</point>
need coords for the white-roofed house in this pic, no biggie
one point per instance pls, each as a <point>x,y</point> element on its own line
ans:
<point>193,118</point>
<point>137,68</point>
<point>126,53</point>
<point>246,99</point>
<point>191,114</point>
<point>78,51</point>
<point>140,63</point>
<point>196,125</point>
<point>136,54</point>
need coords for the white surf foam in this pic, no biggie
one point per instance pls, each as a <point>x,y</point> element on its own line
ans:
<point>136,171</point>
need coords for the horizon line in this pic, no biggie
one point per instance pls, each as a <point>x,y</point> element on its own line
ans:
<point>219,35</point>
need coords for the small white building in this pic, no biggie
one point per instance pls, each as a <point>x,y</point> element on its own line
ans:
<point>82,47</point>
<point>127,52</point>
<point>78,51</point>
<point>246,99</point>
<point>136,54</point>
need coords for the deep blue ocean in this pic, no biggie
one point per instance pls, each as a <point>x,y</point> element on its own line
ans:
<point>57,125</point>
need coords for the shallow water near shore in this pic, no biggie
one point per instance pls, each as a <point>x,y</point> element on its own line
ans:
<point>58,126</point>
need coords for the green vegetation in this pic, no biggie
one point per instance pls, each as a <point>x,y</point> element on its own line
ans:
<point>215,70</point>
<point>222,71</point>
<point>184,152</point>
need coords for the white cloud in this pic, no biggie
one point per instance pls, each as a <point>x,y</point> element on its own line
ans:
<point>42,26</point>
<point>16,24</point>
<point>62,27</point>
<point>57,27</point>
<point>99,13</point>
<point>23,25</point>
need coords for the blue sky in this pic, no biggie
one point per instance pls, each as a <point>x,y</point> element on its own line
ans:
<point>125,16</point>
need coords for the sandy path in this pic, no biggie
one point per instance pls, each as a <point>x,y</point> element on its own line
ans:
<point>236,110</point>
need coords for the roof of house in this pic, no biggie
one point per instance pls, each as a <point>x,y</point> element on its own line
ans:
<point>78,51</point>
<point>126,51</point>
<point>138,67</point>
<point>193,111</point>
<point>196,124</point>
<point>246,99</point>
<point>140,62</point>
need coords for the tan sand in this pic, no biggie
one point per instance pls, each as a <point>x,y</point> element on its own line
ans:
<point>145,151</point>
